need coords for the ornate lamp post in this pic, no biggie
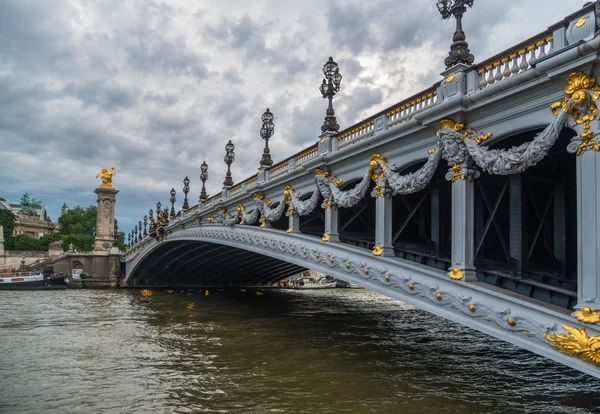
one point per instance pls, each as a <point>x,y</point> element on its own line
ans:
<point>172,200</point>
<point>158,206</point>
<point>129,240</point>
<point>459,50</point>
<point>203,178</point>
<point>229,159</point>
<point>266,132</point>
<point>145,224</point>
<point>140,227</point>
<point>135,233</point>
<point>151,215</point>
<point>186,190</point>
<point>329,87</point>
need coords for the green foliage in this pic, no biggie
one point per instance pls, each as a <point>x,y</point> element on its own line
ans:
<point>120,239</point>
<point>24,242</point>
<point>79,221</point>
<point>81,242</point>
<point>7,221</point>
<point>44,242</point>
<point>29,205</point>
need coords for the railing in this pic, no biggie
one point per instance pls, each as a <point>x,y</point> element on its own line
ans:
<point>359,133</point>
<point>279,169</point>
<point>251,182</point>
<point>509,63</point>
<point>405,110</point>
<point>235,189</point>
<point>306,155</point>
<point>515,60</point>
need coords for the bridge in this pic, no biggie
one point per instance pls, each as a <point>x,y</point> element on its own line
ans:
<point>476,200</point>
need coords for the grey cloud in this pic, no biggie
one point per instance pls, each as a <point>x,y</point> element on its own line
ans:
<point>360,99</point>
<point>349,27</point>
<point>110,96</point>
<point>307,121</point>
<point>148,51</point>
<point>233,76</point>
<point>166,99</point>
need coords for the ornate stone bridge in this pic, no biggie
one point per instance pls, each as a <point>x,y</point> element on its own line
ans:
<point>476,200</point>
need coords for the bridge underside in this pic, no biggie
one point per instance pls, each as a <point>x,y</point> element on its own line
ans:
<point>202,264</point>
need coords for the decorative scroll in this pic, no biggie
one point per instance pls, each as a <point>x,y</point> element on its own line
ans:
<point>577,343</point>
<point>580,102</point>
<point>387,178</point>
<point>248,217</point>
<point>303,208</point>
<point>516,159</point>
<point>333,196</point>
<point>225,218</point>
<point>351,197</point>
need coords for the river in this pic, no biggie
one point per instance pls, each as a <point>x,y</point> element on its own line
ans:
<point>329,351</point>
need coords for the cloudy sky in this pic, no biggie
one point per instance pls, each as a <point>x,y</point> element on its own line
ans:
<point>154,87</point>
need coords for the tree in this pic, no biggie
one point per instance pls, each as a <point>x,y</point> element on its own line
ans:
<point>43,242</point>
<point>78,227</point>
<point>79,220</point>
<point>24,242</point>
<point>7,220</point>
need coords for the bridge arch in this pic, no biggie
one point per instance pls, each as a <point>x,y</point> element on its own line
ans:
<point>525,231</point>
<point>197,263</point>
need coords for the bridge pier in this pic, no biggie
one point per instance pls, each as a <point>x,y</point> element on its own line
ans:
<point>294,223</point>
<point>463,224</point>
<point>383,226</point>
<point>332,221</point>
<point>588,230</point>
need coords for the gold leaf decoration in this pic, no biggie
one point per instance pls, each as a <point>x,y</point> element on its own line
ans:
<point>577,343</point>
<point>456,274</point>
<point>580,101</point>
<point>587,315</point>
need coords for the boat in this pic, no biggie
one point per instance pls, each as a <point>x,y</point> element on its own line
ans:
<point>28,280</point>
<point>314,283</point>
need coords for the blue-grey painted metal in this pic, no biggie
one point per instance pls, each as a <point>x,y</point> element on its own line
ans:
<point>500,98</point>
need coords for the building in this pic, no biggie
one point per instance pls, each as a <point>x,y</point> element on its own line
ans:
<point>31,221</point>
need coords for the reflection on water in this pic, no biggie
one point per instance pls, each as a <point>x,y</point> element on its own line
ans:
<point>331,351</point>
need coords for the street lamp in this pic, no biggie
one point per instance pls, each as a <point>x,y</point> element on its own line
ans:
<point>203,178</point>
<point>172,199</point>
<point>266,132</point>
<point>135,234</point>
<point>186,190</point>
<point>158,206</point>
<point>145,224</point>
<point>129,240</point>
<point>329,87</point>
<point>459,50</point>
<point>229,159</point>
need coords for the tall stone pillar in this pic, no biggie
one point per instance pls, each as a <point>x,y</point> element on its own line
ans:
<point>105,224</point>
<point>331,225</point>
<point>294,223</point>
<point>383,226</point>
<point>463,223</point>
<point>588,230</point>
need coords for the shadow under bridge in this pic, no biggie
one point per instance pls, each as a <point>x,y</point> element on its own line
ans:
<point>185,263</point>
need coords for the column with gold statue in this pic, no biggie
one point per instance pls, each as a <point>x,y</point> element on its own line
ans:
<point>105,224</point>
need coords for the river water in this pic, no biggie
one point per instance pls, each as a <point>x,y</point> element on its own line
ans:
<point>329,351</point>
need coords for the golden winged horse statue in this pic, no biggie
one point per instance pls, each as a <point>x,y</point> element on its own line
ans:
<point>106,176</point>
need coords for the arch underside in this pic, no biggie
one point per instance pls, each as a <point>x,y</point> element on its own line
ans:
<point>185,263</point>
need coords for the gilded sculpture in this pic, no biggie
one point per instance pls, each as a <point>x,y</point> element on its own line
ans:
<point>580,102</point>
<point>587,315</point>
<point>106,176</point>
<point>577,343</point>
